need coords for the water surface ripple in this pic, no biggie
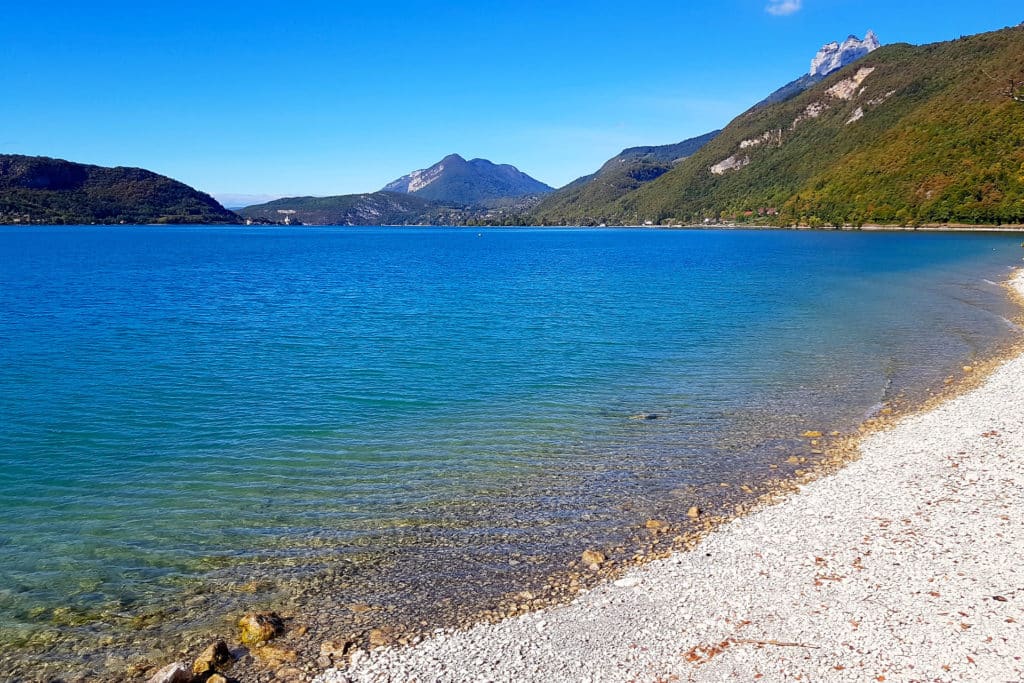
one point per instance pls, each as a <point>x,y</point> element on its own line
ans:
<point>184,407</point>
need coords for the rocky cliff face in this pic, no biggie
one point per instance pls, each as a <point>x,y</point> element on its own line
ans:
<point>834,56</point>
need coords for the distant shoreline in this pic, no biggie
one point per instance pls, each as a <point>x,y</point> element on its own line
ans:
<point>950,228</point>
<point>846,228</point>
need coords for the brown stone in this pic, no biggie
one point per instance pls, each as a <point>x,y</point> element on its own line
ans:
<point>172,673</point>
<point>215,656</point>
<point>272,656</point>
<point>259,628</point>
<point>793,460</point>
<point>382,637</point>
<point>693,512</point>
<point>336,649</point>
<point>656,525</point>
<point>810,434</point>
<point>290,674</point>
<point>216,678</point>
<point>359,608</point>
<point>593,557</point>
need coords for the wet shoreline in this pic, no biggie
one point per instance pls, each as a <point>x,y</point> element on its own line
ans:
<point>913,483</point>
<point>325,605</point>
<point>386,580</point>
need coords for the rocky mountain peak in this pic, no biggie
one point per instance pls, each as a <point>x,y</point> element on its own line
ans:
<point>835,56</point>
<point>478,182</point>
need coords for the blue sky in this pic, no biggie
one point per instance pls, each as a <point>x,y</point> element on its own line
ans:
<point>336,97</point>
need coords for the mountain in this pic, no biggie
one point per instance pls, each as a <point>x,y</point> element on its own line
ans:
<point>45,190</point>
<point>830,58</point>
<point>833,56</point>
<point>478,183</point>
<point>619,176</point>
<point>907,135</point>
<point>234,201</point>
<point>377,208</point>
<point>582,201</point>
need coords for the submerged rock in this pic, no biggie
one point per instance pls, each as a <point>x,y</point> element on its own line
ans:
<point>259,628</point>
<point>693,512</point>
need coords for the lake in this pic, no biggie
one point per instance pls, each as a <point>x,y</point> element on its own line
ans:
<point>197,420</point>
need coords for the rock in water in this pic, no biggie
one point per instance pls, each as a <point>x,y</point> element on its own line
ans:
<point>259,628</point>
<point>593,557</point>
<point>172,673</point>
<point>693,512</point>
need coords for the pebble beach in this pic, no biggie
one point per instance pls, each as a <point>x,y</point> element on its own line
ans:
<point>905,565</point>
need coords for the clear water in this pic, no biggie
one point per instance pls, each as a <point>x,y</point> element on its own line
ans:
<point>190,405</point>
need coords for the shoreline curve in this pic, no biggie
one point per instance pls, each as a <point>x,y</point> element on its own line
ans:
<point>896,564</point>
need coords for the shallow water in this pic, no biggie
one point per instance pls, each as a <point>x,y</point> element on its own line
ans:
<point>192,407</point>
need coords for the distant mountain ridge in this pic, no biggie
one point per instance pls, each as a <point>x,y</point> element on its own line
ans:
<point>477,183</point>
<point>617,177</point>
<point>907,135</point>
<point>898,134</point>
<point>47,190</point>
<point>451,192</point>
<point>374,208</point>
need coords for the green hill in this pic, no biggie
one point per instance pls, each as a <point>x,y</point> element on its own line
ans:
<point>45,190</point>
<point>377,208</point>
<point>906,135</point>
<point>619,176</point>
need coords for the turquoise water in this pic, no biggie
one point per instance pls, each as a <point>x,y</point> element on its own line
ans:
<point>182,406</point>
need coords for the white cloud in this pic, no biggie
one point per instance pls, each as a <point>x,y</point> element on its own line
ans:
<point>781,8</point>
